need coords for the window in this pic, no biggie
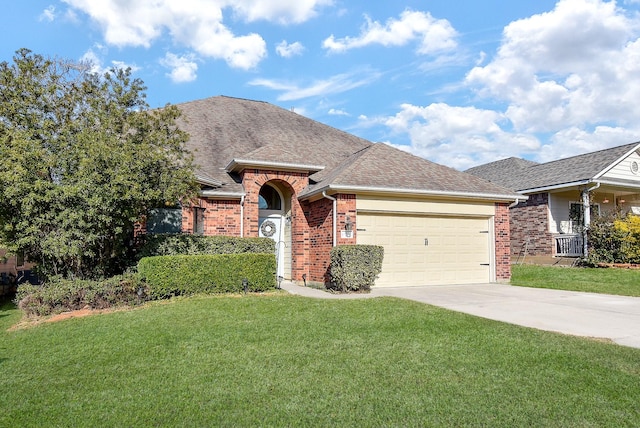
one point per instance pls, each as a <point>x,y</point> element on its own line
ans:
<point>576,215</point>
<point>198,221</point>
<point>20,259</point>
<point>164,220</point>
<point>269,199</point>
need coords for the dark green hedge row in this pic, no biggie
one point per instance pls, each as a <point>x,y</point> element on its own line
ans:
<point>61,295</point>
<point>355,267</point>
<point>223,273</point>
<point>174,244</point>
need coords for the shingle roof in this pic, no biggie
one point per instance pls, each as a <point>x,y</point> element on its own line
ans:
<point>223,129</point>
<point>522,175</point>
<point>381,166</point>
<point>506,172</point>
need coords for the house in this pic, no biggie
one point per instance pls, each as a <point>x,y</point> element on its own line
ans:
<point>564,195</point>
<point>267,171</point>
<point>13,269</point>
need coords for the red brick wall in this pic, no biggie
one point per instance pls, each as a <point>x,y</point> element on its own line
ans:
<point>319,216</point>
<point>221,217</point>
<point>346,207</point>
<point>503,242</point>
<point>9,264</point>
<point>530,222</point>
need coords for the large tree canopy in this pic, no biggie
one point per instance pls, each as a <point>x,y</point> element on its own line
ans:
<point>82,159</point>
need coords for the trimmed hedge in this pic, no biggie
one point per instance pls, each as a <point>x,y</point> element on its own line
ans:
<point>355,267</point>
<point>174,244</point>
<point>223,273</point>
<point>61,295</point>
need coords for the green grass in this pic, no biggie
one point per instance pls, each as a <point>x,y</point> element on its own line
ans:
<point>623,282</point>
<point>281,360</point>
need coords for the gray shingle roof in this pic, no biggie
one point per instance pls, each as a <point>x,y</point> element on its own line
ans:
<point>522,175</point>
<point>381,166</point>
<point>223,129</point>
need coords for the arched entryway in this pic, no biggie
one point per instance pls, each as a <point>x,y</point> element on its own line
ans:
<point>274,222</point>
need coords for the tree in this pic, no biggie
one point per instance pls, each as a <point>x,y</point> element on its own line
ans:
<point>82,159</point>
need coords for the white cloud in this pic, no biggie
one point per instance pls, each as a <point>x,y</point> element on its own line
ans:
<point>195,24</point>
<point>287,50</point>
<point>280,11</point>
<point>460,137</point>
<point>183,68</point>
<point>566,67</point>
<point>333,85</point>
<point>338,112</point>
<point>434,35</point>
<point>94,61</point>
<point>49,14</point>
<point>567,77</point>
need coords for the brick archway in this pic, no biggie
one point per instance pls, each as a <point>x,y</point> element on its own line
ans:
<point>290,184</point>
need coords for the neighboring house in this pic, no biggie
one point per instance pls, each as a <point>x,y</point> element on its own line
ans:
<point>564,195</point>
<point>267,171</point>
<point>13,269</point>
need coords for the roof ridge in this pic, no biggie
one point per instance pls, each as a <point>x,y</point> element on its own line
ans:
<point>224,96</point>
<point>588,154</point>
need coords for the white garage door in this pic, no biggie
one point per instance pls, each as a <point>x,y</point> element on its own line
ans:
<point>420,250</point>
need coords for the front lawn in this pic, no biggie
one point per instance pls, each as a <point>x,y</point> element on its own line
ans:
<point>623,282</point>
<point>281,360</point>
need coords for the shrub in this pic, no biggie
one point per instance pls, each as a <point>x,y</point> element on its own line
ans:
<point>60,295</point>
<point>174,244</point>
<point>604,240</point>
<point>629,228</point>
<point>223,273</point>
<point>355,267</point>
<point>614,239</point>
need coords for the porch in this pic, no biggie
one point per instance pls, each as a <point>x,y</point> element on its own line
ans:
<point>568,245</point>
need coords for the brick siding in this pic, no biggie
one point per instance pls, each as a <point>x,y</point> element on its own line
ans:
<point>502,243</point>
<point>221,217</point>
<point>319,217</point>
<point>530,224</point>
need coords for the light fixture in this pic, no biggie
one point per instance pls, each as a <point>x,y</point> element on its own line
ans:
<point>347,224</point>
<point>605,201</point>
<point>622,201</point>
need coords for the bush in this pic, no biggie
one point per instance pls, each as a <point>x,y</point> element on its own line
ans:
<point>629,228</point>
<point>174,244</point>
<point>613,239</point>
<point>61,295</point>
<point>223,273</point>
<point>604,241</point>
<point>355,267</point>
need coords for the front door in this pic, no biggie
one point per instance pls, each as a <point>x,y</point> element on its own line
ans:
<point>271,227</point>
<point>270,222</point>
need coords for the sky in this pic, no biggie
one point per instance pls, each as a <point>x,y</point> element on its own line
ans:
<point>458,82</point>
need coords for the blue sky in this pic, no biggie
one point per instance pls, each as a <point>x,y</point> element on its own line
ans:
<point>459,82</point>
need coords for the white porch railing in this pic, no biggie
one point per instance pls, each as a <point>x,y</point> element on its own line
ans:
<point>569,245</point>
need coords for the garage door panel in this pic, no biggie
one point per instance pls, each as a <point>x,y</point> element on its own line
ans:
<point>422,250</point>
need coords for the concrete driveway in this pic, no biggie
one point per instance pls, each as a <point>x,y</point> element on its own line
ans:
<point>580,314</point>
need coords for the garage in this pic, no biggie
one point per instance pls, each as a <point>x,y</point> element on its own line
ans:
<point>422,249</point>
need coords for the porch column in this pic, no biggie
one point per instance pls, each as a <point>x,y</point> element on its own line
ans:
<point>586,219</point>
